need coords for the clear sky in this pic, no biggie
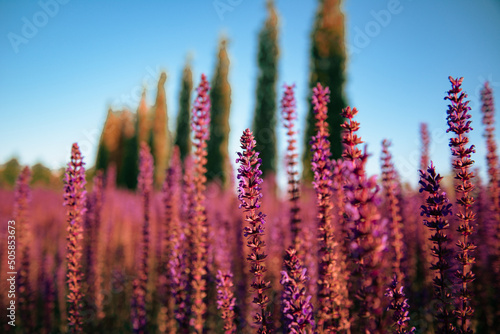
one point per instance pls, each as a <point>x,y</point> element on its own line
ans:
<point>64,62</point>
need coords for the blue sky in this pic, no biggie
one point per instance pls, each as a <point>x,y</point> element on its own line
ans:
<point>63,63</point>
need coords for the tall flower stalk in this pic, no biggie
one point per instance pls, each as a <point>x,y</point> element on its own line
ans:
<point>459,123</point>
<point>249,194</point>
<point>329,295</point>
<point>74,200</point>
<point>171,238</point>
<point>368,235</point>
<point>183,253</point>
<point>22,199</point>
<point>488,111</point>
<point>145,185</point>
<point>200,123</point>
<point>93,219</point>
<point>389,183</point>
<point>395,291</point>
<point>435,210</point>
<point>289,115</point>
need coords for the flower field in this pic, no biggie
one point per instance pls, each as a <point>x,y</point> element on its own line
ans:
<point>346,253</point>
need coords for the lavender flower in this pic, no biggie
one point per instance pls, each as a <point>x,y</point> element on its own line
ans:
<point>435,209</point>
<point>74,200</point>
<point>321,167</point>
<point>185,253</point>
<point>92,225</point>
<point>226,300</point>
<point>368,236</point>
<point>200,123</point>
<point>171,238</point>
<point>297,307</point>
<point>178,264</point>
<point>488,110</point>
<point>249,194</point>
<point>459,123</point>
<point>22,199</point>
<point>389,183</point>
<point>289,115</point>
<point>145,185</point>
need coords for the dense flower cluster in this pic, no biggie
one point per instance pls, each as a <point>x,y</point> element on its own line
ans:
<point>289,115</point>
<point>145,185</point>
<point>200,124</point>
<point>488,110</point>
<point>74,200</point>
<point>297,306</point>
<point>22,199</point>
<point>226,300</point>
<point>249,194</point>
<point>435,210</point>
<point>399,304</point>
<point>459,123</point>
<point>170,238</point>
<point>321,167</point>
<point>389,178</point>
<point>340,258</point>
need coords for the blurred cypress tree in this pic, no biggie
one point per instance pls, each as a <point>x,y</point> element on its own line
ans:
<point>127,174</point>
<point>183,130</point>
<point>218,164</point>
<point>160,139</point>
<point>264,123</point>
<point>109,141</point>
<point>10,171</point>
<point>119,146</point>
<point>327,63</point>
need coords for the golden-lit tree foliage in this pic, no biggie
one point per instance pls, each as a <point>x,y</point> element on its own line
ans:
<point>160,135</point>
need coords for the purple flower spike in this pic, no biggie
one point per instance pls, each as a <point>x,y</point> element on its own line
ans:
<point>459,123</point>
<point>389,183</point>
<point>435,210</point>
<point>289,115</point>
<point>249,194</point>
<point>74,200</point>
<point>145,185</point>
<point>226,300</point>
<point>22,199</point>
<point>330,295</point>
<point>399,304</point>
<point>200,124</point>
<point>297,308</point>
<point>488,110</point>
